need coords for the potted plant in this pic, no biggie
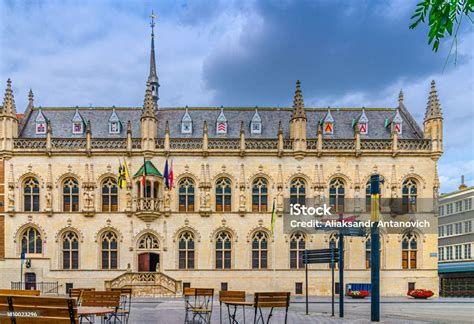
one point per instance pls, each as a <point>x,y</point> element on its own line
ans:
<point>358,293</point>
<point>420,293</point>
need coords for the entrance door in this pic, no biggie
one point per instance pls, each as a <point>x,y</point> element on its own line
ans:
<point>148,262</point>
<point>30,281</point>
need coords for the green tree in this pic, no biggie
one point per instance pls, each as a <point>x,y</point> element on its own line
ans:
<point>443,16</point>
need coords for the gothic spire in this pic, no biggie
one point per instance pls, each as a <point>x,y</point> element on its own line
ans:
<point>433,108</point>
<point>153,77</point>
<point>298,104</point>
<point>9,107</point>
<point>148,104</point>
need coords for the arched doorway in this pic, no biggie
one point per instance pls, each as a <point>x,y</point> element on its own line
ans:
<point>148,251</point>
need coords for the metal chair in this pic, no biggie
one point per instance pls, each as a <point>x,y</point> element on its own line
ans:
<point>201,305</point>
<point>125,303</point>
<point>225,296</point>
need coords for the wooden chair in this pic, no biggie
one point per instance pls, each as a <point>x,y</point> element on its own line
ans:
<point>110,299</point>
<point>225,296</point>
<point>77,292</point>
<point>12,292</point>
<point>188,295</point>
<point>201,304</point>
<point>43,310</point>
<point>125,302</point>
<point>270,300</point>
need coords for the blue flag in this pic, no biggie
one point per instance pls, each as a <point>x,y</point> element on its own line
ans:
<point>166,175</point>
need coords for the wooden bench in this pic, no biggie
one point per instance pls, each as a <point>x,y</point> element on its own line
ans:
<point>125,302</point>
<point>37,310</point>
<point>77,293</point>
<point>12,292</point>
<point>270,300</point>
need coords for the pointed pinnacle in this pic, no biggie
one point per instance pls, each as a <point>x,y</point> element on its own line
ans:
<point>400,97</point>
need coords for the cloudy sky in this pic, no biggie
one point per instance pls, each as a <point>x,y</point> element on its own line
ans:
<point>240,53</point>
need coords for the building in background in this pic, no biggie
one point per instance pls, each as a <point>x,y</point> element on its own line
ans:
<point>456,242</point>
<point>61,205</point>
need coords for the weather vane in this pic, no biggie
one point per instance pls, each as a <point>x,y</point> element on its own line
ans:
<point>152,23</point>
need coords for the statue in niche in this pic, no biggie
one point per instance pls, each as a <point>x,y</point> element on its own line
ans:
<point>357,199</point>
<point>129,199</point>
<point>202,200</point>
<point>280,199</point>
<point>11,201</point>
<point>208,200</point>
<point>242,199</point>
<point>167,200</point>
<point>49,200</point>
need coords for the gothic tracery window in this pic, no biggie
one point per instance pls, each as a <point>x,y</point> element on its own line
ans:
<point>260,195</point>
<point>31,241</point>
<point>186,195</point>
<point>298,191</point>
<point>70,251</point>
<point>31,195</point>
<point>223,250</point>
<point>109,195</point>
<point>109,250</point>
<point>186,250</point>
<point>409,251</point>
<point>260,250</point>
<point>70,195</point>
<point>297,247</point>
<point>223,194</point>
<point>409,195</point>
<point>336,194</point>
<point>148,242</point>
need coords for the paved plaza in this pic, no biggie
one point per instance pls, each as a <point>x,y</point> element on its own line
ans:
<point>393,310</point>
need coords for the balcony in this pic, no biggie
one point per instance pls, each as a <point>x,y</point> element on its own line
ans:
<point>148,209</point>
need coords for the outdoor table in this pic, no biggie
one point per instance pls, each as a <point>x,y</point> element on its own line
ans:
<point>236,304</point>
<point>86,311</point>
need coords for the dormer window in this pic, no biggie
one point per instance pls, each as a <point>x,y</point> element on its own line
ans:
<point>363,123</point>
<point>328,124</point>
<point>114,123</point>
<point>256,123</point>
<point>77,123</point>
<point>221,124</point>
<point>397,122</point>
<point>186,123</point>
<point>40,123</point>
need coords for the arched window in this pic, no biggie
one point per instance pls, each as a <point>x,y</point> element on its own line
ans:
<point>186,195</point>
<point>368,201</point>
<point>409,251</point>
<point>109,250</point>
<point>409,195</point>
<point>31,241</point>
<point>260,195</point>
<point>70,249</point>
<point>336,194</point>
<point>70,195</point>
<point>148,242</point>
<point>31,195</point>
<point>297,247</point>
<point>260,250</point>
<point>109,195</point>
<point>186,250</point>
<point>223,194</point>
<point>298,191</point>
<point>223,250</point>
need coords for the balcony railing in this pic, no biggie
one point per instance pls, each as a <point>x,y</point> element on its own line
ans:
<point>147,204</point>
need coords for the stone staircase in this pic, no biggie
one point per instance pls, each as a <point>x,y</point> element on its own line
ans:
<point>147,284</point>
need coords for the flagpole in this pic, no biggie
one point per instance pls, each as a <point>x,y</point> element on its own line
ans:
<point>273,249</point>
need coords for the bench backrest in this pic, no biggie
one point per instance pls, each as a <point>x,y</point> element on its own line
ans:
<point>43,309</point>
<point>76,292</point>
<point>204,292</point>
<point>230,296</point>
<point>189,291</point>
<point>101,298</point>
<point>12,292</point>
<point>272,299</point>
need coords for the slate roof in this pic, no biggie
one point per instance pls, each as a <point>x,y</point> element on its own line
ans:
<point>61,121</point>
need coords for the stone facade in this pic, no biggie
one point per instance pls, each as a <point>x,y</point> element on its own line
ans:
<point>38,165</point>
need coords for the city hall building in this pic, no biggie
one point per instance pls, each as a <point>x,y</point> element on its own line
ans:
<point>62,208</point>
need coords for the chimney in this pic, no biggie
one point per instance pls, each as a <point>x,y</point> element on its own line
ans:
<point>462,186</point>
